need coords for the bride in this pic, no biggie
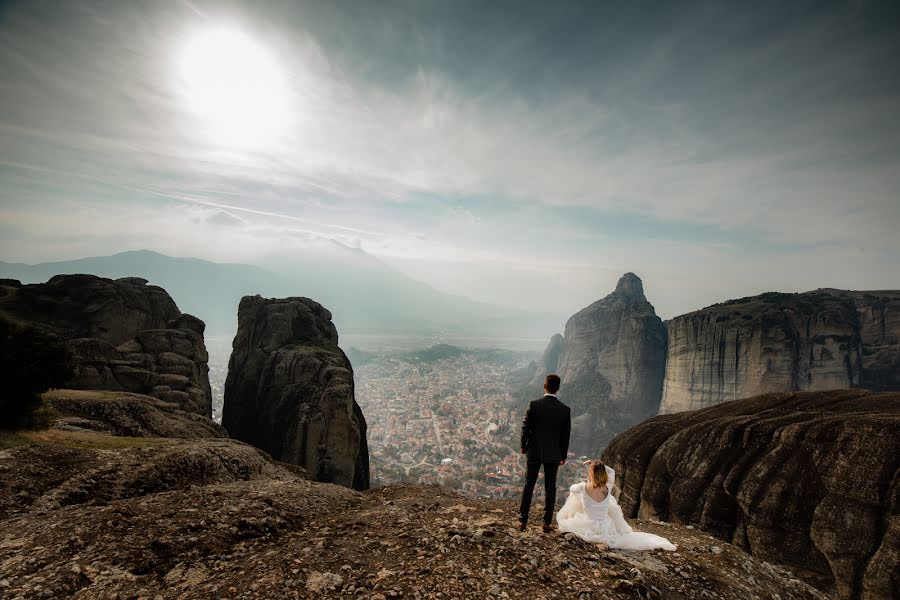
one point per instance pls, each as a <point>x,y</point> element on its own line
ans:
<point>592,513</point>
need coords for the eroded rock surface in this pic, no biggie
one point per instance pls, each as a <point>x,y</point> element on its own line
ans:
<point>612,365</point>
<point>806,479</point>
<point>87,306</point>
<point>820,340</point>
<point>126,335</point>
<point>128,414</point>
<point>67,471</point>
<point>290,390</point>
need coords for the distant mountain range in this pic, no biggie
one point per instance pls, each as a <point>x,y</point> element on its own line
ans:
<point>364,295</point>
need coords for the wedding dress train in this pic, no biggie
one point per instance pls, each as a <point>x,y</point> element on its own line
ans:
<point>603,522</point>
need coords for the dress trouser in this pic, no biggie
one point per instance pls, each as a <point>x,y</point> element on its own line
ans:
<point>550,469</point>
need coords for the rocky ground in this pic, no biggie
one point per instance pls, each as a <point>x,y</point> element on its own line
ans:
<point>287,537</point>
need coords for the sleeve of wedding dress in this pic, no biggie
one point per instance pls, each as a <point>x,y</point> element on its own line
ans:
<point>570,508</point>
<point>612,478</point>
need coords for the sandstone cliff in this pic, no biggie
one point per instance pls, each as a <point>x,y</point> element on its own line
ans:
<point>826,339</point>
<point>807,479</point>
<point>612,365</point>
<point>290,390</point>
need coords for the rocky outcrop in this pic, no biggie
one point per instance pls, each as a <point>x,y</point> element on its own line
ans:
<point>43,477</point>
<point>126,335</point>
<point>87,306</point>
<point>826,339</point>
<point>127,414</point>
<point>529,383</point>
<point>550,358</point>
<point>170,364</point>
<point>290,390</point>
<point>612,365</point>
<point>807,479</point>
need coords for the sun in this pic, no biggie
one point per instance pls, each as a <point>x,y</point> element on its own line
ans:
<point>233,85</point>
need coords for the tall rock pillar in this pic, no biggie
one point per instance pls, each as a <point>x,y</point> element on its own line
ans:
<point>289,390</point>
<point>612,365</point>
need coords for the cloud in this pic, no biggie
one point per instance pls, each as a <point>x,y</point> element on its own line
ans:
<point>706,137</point>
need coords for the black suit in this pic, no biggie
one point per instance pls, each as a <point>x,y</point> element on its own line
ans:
<point>545,439</point>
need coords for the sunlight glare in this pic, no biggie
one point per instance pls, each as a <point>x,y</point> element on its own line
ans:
<point>234,85</point>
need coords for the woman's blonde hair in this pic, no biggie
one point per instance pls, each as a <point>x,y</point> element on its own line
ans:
<point>597,474</point>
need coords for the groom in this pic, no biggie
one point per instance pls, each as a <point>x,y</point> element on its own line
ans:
<point>545,439</point>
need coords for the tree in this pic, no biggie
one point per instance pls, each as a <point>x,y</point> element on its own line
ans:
<point>32,360</point>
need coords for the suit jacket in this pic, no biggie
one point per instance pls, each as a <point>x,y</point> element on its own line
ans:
<point>545,430</point>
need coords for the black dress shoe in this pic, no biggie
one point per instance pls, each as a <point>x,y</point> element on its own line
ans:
<point>547,528</point>
<point>522,525</point>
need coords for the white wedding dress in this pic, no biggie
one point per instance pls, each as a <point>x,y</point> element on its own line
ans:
<point>603,522</point>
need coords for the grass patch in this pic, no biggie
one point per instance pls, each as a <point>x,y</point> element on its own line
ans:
<point>13,439</point>
<point>76,439</point>
<point>63,393</point>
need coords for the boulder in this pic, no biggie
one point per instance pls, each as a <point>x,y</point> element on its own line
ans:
<point>290,390</point>
<point>806,479</point>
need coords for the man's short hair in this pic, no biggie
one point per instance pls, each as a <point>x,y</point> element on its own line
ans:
<point>552,383</point>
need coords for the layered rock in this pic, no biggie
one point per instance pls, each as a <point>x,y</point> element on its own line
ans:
<point>290,390</point>
<point>612,365</point>
<point>127,414</point>
<point>807,479</point>
<point>826,339</point>
<point>126,335</point>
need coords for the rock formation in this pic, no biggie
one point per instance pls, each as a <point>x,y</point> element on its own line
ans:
<point>290,390</point>
<point>127,414</point>
<point>550,358</point>
<point>87,306</point>
<point>806,479</point>
<point>126,335</point>
<point>612,365</point>
<point>826,339</point>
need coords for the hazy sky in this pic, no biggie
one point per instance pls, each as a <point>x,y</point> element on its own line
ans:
<point>521,153</point>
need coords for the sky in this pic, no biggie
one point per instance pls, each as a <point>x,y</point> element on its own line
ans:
<point>524,154</point>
